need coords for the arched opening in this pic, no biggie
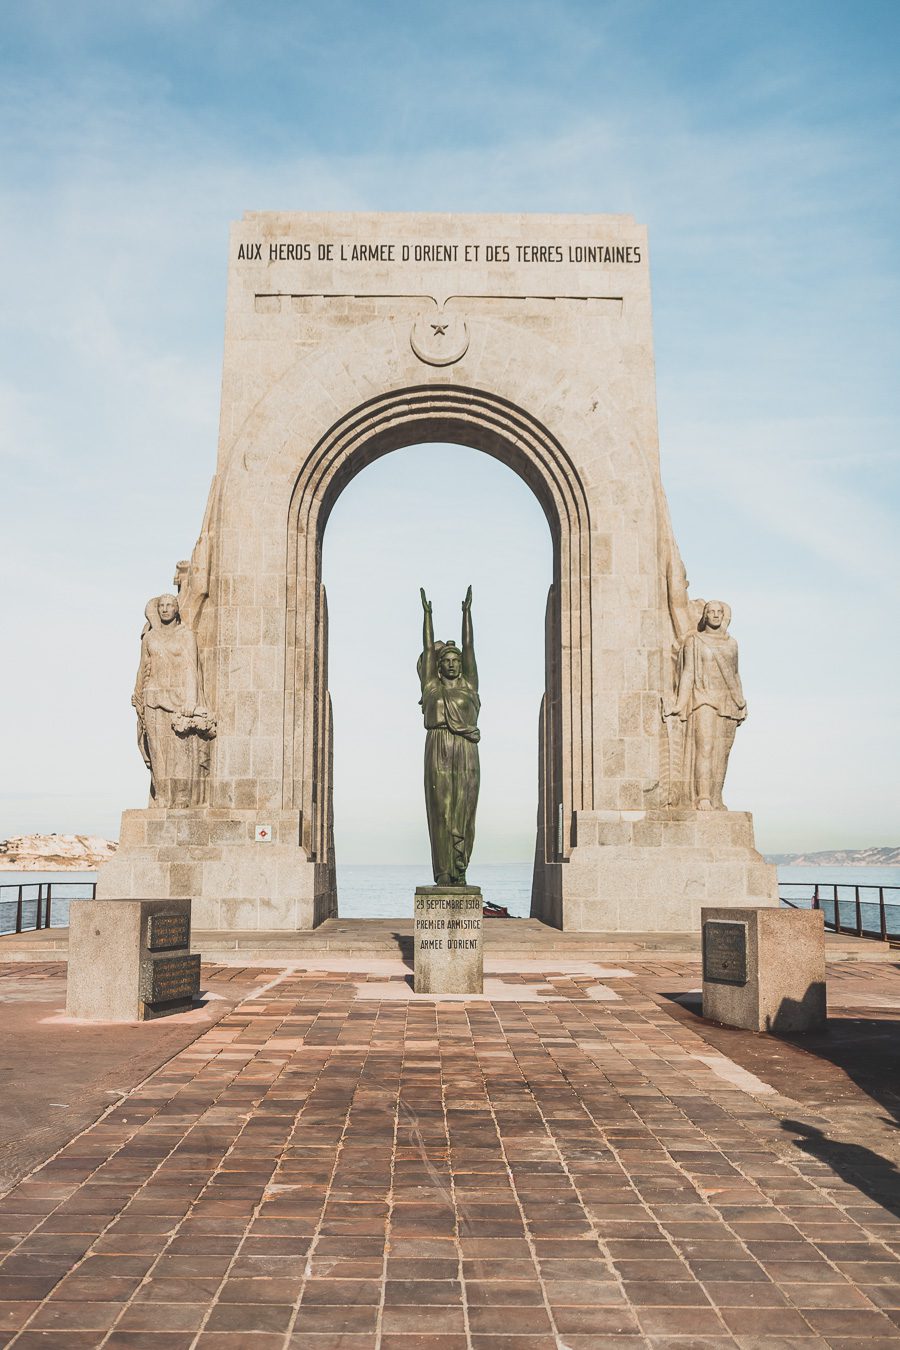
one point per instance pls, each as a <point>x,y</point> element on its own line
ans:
<point>444,517</point>
<point>467,417</point>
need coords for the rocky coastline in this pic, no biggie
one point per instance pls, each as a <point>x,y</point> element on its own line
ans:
<point>887,855</point>
<point>55,852</point>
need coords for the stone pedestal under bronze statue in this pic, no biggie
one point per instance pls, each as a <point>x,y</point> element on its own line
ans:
<point>448,953</point>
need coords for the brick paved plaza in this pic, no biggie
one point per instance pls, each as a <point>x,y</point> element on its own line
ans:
<point>577,1161</point>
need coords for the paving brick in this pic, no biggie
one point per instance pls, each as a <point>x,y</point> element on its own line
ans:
<point>475,1177</point>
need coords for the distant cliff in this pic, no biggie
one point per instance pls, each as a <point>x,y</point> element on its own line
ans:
<point>49,852</point>
<point>887,855</point>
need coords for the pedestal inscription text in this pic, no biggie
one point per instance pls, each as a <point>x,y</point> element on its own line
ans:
<point>725,952</point>
<point>167,932</point>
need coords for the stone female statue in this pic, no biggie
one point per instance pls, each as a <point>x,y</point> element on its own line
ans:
<point>450,704</point>
<point>709,701</point>
<point>174,727</point>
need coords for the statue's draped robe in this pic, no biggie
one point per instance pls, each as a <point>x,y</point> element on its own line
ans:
<point>168,683</point>
<point>714,678</point>
<point>707,677</point>
<point>452,773</point>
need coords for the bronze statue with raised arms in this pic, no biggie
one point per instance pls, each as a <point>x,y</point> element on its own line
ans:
<point>450,705</point>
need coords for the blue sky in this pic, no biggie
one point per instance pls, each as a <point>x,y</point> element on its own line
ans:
<point>759,143</point>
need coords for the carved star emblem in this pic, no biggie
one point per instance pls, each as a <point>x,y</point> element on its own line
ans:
<point>440,329</point>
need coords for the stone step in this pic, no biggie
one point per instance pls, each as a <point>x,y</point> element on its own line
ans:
<point>527,939</point>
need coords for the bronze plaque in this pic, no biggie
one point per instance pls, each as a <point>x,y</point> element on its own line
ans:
<point>165,978</point>
<point>725,952</point>
<point>166,932</point>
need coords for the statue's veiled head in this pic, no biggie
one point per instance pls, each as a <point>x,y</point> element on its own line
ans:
<point>166,610</point>
<point>716,616</point>
<point>450,661</point>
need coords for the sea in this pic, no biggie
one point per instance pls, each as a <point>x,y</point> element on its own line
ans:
<point>796,885</point>
<point>367,891</point>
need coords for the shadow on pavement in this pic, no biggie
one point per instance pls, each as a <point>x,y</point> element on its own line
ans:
<point>838,1065</point>
<point>866,1049</point>
<point>404,948</point>
<point>814,1066</point>
<point>860,1167</point>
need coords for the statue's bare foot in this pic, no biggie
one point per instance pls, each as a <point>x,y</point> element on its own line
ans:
<point>704,804</point>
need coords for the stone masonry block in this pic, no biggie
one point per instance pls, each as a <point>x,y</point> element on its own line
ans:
<point>764,968</point>
<point>133,832</point>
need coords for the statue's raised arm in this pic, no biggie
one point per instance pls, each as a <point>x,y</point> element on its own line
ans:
<point>428,660</point>
<point>469,668</point>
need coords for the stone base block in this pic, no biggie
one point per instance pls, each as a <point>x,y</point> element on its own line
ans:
<point>653,871</point>
<point>130,960</point>
<point>448,940</point>
<point>242,869</point>
<point>630,871</point>
<point>764,969</point>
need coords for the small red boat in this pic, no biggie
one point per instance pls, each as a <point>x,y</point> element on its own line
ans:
<point>492,911</point>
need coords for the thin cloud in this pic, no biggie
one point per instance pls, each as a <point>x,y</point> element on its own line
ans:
<point>761,156</point>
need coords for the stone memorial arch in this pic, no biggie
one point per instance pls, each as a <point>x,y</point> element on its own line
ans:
<point>527,337</point>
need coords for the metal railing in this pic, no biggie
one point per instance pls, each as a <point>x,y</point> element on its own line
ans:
<point>857,910</point>
<point>28,905</point>
<point>860,911</point>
